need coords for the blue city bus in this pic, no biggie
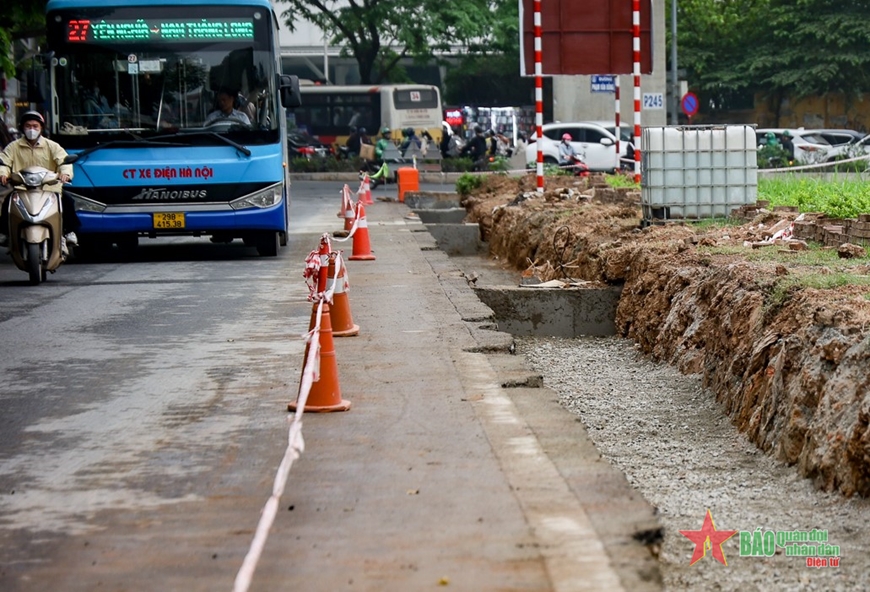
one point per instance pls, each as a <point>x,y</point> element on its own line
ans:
<point>133,84</point>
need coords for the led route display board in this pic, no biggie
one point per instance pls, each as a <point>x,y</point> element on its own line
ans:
<point>157,30</point>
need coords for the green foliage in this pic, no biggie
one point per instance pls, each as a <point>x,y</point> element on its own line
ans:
<point>379,33</point>
<point>817,267</point>
<point>622,180</point>
<point>499,164</point>
<point>460,164</point>
<point>844,198</point>
<point>815,256</point>
<point>467,183</point>
<point>325,165</point>
<point>733,48</point>
<point>773,157</point>
<point>21,19</point>
<point>783,289</point>
<point>554,170</point>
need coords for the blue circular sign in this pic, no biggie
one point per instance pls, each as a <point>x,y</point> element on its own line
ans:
<point>689,103</point>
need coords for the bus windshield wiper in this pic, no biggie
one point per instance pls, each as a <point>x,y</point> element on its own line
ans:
<point>241,148</point>
<point>126,143</point>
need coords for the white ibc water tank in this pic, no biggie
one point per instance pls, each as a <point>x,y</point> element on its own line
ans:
<point>701,171</point>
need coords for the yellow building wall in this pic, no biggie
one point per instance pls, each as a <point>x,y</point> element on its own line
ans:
<point>830,111</point>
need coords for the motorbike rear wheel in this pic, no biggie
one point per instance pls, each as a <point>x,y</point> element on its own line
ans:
<point>34,265</point>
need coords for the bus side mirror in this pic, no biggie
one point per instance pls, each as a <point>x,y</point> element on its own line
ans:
<point>289,88</point>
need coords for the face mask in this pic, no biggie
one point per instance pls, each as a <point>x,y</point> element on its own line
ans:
<point>31,134</point>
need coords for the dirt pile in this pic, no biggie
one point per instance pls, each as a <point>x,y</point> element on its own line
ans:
<point>781,337</point>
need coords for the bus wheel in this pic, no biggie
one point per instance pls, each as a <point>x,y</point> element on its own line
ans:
<point>267,244</point>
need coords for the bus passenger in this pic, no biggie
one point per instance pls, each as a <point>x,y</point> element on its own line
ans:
<point>226,108</point>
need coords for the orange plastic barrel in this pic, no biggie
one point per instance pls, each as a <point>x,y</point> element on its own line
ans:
<point>409,180</point>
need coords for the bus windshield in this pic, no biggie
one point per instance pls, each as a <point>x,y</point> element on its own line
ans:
<point>146,71</point>
<point>329,112</point>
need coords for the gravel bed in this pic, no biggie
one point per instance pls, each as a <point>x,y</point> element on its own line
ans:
<point>677,446</point>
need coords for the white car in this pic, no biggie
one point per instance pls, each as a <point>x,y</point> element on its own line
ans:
<point>593,139</point>
<point>810,146</point>
<point>852,149</point>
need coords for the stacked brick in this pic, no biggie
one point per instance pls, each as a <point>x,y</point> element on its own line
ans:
<point>831,232</point>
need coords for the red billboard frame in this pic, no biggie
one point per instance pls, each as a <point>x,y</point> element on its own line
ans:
<point>585,37</point>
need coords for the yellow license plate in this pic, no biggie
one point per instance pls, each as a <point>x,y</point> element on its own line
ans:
<point>169,220</point>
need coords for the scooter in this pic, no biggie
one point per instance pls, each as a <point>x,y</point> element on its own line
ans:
<point>35,223</point>
<point>577,165</point>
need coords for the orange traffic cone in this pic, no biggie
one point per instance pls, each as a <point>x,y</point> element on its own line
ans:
<point>339,313</point>
<point>365,191</point>
<point>345,202</point>
<point>349,215</point>
<point>325,394</point>
<point>362,250</point>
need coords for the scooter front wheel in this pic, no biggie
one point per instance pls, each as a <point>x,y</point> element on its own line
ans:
<point>34,265</point>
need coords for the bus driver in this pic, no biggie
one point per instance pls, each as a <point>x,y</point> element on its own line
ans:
<point>226,111</point>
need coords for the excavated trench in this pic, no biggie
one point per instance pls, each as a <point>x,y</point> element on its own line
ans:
<point>787,358</point>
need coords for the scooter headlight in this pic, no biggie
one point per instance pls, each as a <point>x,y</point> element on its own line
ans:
<point>32,179</point>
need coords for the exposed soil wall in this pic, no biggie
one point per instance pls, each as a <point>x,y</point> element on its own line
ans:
<point>791,365</point>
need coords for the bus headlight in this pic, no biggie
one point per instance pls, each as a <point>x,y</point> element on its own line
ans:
<point>83,204</point>
<point>261,199</point>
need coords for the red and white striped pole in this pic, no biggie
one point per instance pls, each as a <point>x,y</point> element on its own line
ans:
<point>635,26</point>
<point>618,130</point>
<point>539,98</point>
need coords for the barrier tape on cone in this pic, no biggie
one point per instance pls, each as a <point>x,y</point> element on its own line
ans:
<point>295,441</point>
<point>350,233</point>
<point>295,448</point>
<point>365,191</point>
<point>316,262</point>
<point>335,286</point>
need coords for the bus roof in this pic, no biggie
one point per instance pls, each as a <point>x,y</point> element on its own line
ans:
<point>66,4</point>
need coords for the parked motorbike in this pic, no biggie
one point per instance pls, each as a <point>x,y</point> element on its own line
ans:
<point>35,223</point>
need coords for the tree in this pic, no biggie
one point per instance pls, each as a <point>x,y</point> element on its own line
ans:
<point>814,47</point>
<point>778,48</point>
<point>715,37</point>
<point>490,75</point>
<point>21,19</point>
<point>379,33</point>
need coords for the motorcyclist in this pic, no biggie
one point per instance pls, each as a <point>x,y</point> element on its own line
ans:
<point>788,145</point>
<point>34,149</point>
<point>446,136</point>
<point>410,141</point>
<point>353,142</point>
<point>567,154</point>
<point>382,143</point>
<point>492,141</point>
<point>475,148</point>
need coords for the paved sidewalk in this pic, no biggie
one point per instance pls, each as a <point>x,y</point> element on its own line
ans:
<point>439,477</point>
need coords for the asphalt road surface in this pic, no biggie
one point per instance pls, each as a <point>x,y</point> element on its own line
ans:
<point>144,415</point>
